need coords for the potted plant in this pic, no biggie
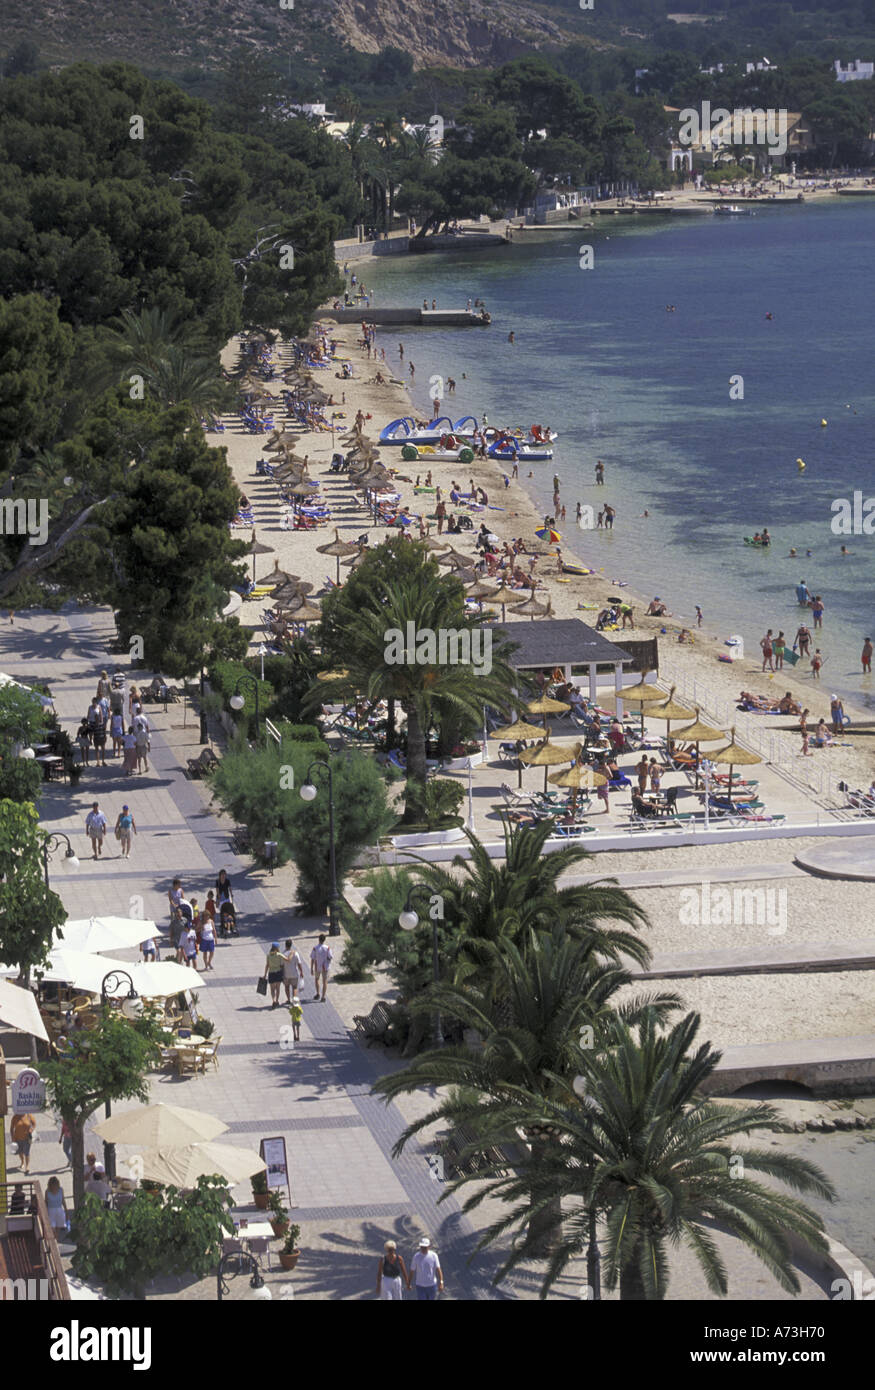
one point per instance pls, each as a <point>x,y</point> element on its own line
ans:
<point>204,1028</point>
<point>290,1252</point>
<point>259,1190</point>
<point>279,1218</point>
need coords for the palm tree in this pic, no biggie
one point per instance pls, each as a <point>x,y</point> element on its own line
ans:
<point>660,1164</point>
<point>502,899</point>
<point>432,603</point>
<point>180,378</point>
<point>531,1024</point>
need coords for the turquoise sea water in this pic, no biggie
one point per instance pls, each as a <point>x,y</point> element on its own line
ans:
<point>599,359</point>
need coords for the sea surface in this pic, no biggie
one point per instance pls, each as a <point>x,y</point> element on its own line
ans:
<point>599,358</point>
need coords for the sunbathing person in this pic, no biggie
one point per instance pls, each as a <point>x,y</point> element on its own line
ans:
<point>657,609</point>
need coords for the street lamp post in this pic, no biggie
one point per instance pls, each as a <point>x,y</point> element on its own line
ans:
<point>238,1262</point>
<point>408,920</point>
<point>309,793</point>
<point>110,987</point>
<point>204,731</point>
<point>237,701</point>
<point>53,842</point>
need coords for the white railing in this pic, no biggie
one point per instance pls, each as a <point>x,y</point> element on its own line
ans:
<point>273,732</point>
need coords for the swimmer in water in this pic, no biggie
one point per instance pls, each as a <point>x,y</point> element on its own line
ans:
<point>843,550</point>
<point>792,553</point>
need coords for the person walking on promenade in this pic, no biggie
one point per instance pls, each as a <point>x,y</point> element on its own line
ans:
<point>224,890</point>
<point>391,1275</point>
<point>189,948</point>
<point>208,940</point>
<point>141,746</point>
<point>130,746</point>
<point>56,1204</point>
<point>125,829</point>
<point>425,1269</point>
<point>273,972</point>
<point>117,734</point>
<point>320,962</point>
<point>21,1128</point>
<point>95,828</point>
<point>293,971</point>
<point>867,657</point>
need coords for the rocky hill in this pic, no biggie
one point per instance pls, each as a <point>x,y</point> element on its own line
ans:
<point>456,33</point>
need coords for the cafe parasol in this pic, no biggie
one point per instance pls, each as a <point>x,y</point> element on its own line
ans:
<point>549,754</point>
<point>546,705</point>
<point>699,732</point>
<point>580,777</point>
<point>668,711</point>
<point>735,756</point>
<point>517,732</point>
<point>160,1127</point>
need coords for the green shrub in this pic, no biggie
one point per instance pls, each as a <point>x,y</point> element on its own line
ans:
<point>442,799</point>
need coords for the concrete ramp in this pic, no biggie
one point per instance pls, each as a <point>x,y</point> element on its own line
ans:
<point>827,1066</point>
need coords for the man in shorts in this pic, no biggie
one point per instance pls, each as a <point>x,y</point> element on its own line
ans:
<point>293,971</point>
<point>320,961</point>
<point>22,1128</point>
<point>95,828</point>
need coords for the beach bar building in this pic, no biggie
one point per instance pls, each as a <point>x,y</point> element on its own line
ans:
<point>577,650</point>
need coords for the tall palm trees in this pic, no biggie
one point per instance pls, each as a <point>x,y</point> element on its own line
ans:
<point>636,1145</point>
<point>176,365</point>
<point>531,1011</point>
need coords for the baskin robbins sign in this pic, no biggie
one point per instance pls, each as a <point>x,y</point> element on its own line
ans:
<point>28,1093</point>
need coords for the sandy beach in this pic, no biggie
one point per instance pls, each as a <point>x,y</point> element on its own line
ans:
<point>717,683</point>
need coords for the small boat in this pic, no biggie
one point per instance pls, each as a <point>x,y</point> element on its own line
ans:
<point>405,430</point>
<point>733,210</point>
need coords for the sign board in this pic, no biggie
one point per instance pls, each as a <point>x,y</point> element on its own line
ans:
<point>273,1151</point>
<point>28,1093</point>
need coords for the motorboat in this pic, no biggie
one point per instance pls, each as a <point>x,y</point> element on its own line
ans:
<point>733,210</point>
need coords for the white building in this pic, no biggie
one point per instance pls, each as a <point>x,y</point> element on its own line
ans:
<point>764,66</point>
<point>858,71</point>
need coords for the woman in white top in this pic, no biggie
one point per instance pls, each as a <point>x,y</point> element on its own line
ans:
<point>293,971</point>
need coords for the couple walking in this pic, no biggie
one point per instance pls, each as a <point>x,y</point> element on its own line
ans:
<point>95,828</point>
<point>288,969</point>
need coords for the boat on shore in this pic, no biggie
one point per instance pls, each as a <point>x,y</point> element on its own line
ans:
<point>733,210</point>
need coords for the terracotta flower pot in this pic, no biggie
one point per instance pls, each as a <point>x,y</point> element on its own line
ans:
<point>280,1227</point>
<point>260,1200</point>
<point>289,1261</point>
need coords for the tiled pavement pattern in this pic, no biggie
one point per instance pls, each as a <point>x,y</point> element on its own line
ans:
<point>350,1195</point>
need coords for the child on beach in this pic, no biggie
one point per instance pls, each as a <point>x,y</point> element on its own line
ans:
<point>816,663</point>
<point>699,616</point>
<point>867,657</point>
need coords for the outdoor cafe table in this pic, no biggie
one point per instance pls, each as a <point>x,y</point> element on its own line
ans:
<point>256,1230</point>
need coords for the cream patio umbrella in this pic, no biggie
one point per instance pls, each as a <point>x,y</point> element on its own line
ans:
<point>181,1167</point>
<point>545,705</point>
<point>699,732</point>
<point>338,548</point>
<point>161,1127</point>
<point>518,731</point>
<point>669,710</point>
<point>94,934</point>
<point>735,756</point>
<point>19,1009</point>
<point>549,754</point>
<point>160,979</point>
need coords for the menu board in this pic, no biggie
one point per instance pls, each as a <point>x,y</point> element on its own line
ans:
<point>273,1151</point>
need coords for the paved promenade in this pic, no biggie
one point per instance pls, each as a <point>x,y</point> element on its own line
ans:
<point>349,1195</point>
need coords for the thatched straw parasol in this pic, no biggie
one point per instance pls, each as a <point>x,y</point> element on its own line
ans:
<point>256,548</point>
<point>504,596</point>
<point>549,754</point>
<point>545,705</point>
<point>517,732</point>
<point>304,612</point>
<point>339,675</point>
<point>699,732</point>
<point>434,543</point>
<point>531,608</point>
<point>455,559</point>
<point>640,695</point>
<point>669,711</point>
<point>579,777</point>
<point>338,548</point>
<point>735,756</point>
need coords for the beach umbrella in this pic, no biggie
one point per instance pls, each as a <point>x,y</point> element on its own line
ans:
<point>434,543</point>
<point>699,732</point>
<point>455,559</point>
<point>641,695</point>
<point>254,548</point>
<point>504,596</point>
<point>669,710</point>
<point>182,1167</point>
<point>549,754</point>
<point>546,533</point>
<point>94,934</point>
<point>161,1127</point>
<point>301,489</point>
<point>338,548</point>
<point>19,1009</point>
<point>735,756</point>
<point>479,591</point>
<point>160,979</point>
<point>356,560</point>
<point>517,732</point>
<point>79,968</point>
<point>581,775</point>
<point>545,705</point>
<point>531,608</point>
<point>304,613</point>
<point>278,576</point>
